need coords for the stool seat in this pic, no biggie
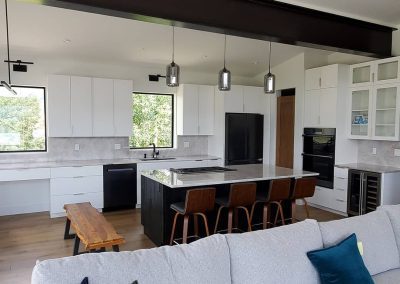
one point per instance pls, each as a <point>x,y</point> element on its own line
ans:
<point>178,207</point>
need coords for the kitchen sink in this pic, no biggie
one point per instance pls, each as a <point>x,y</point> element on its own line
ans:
<point>157,159</point>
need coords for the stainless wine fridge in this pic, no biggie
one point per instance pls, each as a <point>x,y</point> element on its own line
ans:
<point>364,192</point>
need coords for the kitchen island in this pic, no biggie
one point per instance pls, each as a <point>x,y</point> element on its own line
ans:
<point>161,188</point>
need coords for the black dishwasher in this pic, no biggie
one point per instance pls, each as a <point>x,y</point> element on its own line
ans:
<point>119,183</point>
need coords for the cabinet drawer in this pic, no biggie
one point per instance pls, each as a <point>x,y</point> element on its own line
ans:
<point>24,174</point>
<point>340,182</point>
<point>339,204</point>
<point>76,185</point>
<point>77,171</point>
<point>341,172</point>
<point>340,193</point>
<point>58,202</point>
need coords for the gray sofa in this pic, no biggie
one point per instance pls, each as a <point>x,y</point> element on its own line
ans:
<point>275,255</point>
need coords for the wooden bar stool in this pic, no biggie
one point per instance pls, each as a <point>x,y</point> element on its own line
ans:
<point>197,202</point>
<point>240,196</point>
<point>303,188</point>
<point>279,189</point>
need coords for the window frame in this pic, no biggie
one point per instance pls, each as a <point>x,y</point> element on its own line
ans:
<point>45,122</point>
<point>173,120</point>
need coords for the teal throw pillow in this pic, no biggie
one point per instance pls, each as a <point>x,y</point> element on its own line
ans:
<point>341,263</point>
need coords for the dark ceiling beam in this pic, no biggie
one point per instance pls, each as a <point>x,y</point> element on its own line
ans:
<point>259,19</point>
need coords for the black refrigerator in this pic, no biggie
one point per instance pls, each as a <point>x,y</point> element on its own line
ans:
<point>244,138</point>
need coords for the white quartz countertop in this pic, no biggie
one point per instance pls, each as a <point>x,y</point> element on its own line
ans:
<point>369,168</point>
<point>243,173</point>
<point>79,163</point>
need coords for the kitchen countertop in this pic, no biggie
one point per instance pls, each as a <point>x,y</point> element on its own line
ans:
<point>369,168</point>
<point>244,173</point>
<point>79,163</point>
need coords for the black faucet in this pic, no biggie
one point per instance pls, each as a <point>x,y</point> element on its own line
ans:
<point>155,153</point>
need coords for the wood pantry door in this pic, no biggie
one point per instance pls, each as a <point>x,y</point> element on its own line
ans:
<point>285,131</point>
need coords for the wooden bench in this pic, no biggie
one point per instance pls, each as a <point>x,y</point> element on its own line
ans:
<point>91,228</point>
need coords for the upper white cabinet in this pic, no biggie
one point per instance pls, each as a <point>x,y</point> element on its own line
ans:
<point>103,121</point>
<point>245,99</point>
<point>374,100</point>
<point>123,108</point>
<point>59,106</point>
<point>322,77</point>
<point>195,110</point>
<point>385,71</point>
<point>321,96</point>
<point>89,107</point>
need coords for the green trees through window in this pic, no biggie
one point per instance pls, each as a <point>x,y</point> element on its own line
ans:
<point>153,120</point>
<point>22,120</point>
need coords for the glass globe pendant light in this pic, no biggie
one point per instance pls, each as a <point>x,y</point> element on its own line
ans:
<point>173,70</point>
<point>269,79</point>
<point>224,76</point>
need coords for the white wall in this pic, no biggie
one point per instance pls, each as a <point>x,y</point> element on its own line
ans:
<point>289,74</point>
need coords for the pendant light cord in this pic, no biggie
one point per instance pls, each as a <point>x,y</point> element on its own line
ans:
<point>224,51</point>
<point>8,45</point>
<point>173,43</point>
<point>269,59</point>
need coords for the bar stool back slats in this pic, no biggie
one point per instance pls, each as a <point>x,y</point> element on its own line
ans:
<point>279,189</point>
<point>303,188</point>
<point>199,200</point>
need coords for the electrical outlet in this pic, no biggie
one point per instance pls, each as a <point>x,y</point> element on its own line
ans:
<point>397,152</point>
<point>186,144</point>
<point>76,148</point>
<point>373,151</point>
<point>117,146</point>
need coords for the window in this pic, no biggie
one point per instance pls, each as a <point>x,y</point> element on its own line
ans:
<point>153,120</point>
<point>22,120</point>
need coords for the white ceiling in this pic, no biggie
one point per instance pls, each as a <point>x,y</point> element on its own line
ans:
<point>38,31</point>
<point>386,12</point>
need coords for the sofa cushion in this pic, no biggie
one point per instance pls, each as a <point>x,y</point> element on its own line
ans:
<point>341,263</point>
<point>275,255</point>
<point>203,261</point>
<point>387,277</point>
<point>375,232</point>
<point>393,212</point>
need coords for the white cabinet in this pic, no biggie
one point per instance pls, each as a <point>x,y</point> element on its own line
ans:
<point>75,185</point>
<point>321,96</point>
<point>81,106</point>
<point>322,197</point>
<point>361,109</point>
<point>59,106</point>
<point>195,110</point>
<point>122,108</point>
<point>322,77</point>
<point>384,71</point>
<point>89,107</point>
<point>340,184</point>
<point>103,110</point>
<point>245,99</point>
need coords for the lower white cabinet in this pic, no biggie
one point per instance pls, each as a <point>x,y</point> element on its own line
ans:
<point>322,197</point>
<point>75,185</point>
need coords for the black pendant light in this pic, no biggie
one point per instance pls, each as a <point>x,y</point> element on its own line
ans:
<point>4,83</point>
<point>172,76</point>
<point>224,76</point>
<point>269,79</point>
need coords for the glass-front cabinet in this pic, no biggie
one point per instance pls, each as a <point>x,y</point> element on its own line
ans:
<point>360,112</point>
<point>386,112</point>
<point>385,71</point>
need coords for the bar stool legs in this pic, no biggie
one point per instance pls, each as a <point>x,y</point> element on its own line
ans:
<point>173,229</point>
<point>186,226</point>
<point>233,217</point>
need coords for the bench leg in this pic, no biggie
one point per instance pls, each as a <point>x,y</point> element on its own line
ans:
<point>115,248</point>
<point>76,245</point>
<point>67,235</point>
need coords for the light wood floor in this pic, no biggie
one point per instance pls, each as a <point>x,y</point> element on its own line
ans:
<point>29,237</point>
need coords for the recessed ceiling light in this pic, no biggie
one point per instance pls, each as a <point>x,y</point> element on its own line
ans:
<point>255,62</point>
<point>67,41</point>
<point>204,57</point>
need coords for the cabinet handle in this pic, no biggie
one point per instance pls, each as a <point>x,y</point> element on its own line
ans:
<point>320,81</point>
<point>340,200</point>
<point>78,177</point>
<point>78,193</point>
<point>340,189</point>
<point>340,177</point>
<point>373,76</point>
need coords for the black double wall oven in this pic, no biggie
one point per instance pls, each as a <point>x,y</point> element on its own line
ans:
<point>319,153</point>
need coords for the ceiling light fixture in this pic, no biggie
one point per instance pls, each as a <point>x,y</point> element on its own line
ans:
<point>4,83</point>
<point>224,76</point>
<point>172,77</point>
<point>269,79</point>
